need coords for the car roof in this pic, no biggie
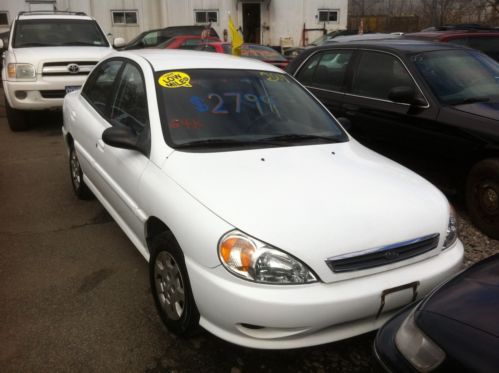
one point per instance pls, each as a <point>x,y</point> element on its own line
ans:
<point>54,16</point>
<point>442,34</point>
<point>357,37</point>
<point>161,59</point>
<point>403,46</point>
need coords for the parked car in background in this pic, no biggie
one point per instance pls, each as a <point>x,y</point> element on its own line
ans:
<point>48,55</point>
<point>362,37</point>
<point>256,51</point>
<point>152,38</point>
<point>186,42</point>
<point>4,36</point>
<point>216,47</point>
<point>437,104</point>
<point>291,53</point>
<point>250,201</point>
<point>454,329</point>
<point>482,38</point>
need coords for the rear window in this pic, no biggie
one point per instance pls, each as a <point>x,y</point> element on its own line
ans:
<point>58,33</point>
<point>238,105</point>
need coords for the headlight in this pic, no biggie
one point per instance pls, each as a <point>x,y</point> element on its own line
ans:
<point>416,347</point>
<point>451,234</point>
<point>256,261</point>
<point>21,71</point>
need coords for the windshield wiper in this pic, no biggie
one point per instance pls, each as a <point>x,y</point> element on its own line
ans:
<point>472,100</point>
<point>294,137</point>
<point>82,43</point>
<point>33,45</point>
<point>220,143</point>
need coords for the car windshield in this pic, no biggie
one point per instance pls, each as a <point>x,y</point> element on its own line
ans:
<point>215,107</point>
<point>261,53</point>
<point>56,33</point>
<point>459,76</point>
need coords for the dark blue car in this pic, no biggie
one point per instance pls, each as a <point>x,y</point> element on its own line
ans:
<point>454,329</point>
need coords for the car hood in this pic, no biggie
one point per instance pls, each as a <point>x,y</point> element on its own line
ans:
<point>472,298</point>
<point>484,109</point>
<point>314,201</point>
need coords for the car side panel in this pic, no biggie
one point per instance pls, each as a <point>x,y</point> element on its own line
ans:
<point>114,172</point>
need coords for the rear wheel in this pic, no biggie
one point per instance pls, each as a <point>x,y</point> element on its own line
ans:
<point>80,188</point>
<point>18,119</point>
<point>482,196</point>
<point>170,286</point>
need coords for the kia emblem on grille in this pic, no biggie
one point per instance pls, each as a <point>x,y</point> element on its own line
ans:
<point>73,68</point>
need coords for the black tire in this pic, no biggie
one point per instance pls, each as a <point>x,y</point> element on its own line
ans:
<point>79,187</point>
<point>482,196</point>
<point>170,286</point>
<point>18,119</point>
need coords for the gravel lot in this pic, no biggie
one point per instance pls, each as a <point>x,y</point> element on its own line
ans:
<point>75,293</point>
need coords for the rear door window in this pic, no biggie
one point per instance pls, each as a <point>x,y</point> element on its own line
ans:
<point>326,70</point>
<point>377,73</point>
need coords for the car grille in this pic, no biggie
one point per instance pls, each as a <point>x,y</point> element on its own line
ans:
<point>384,255</point>
<point>59,93</point>
<point>68,68</point>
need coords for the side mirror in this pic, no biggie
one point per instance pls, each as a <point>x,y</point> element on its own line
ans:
<point>121,137</point>
<point>403,95</point>
<point>118,42</point>
<point>345,123</point>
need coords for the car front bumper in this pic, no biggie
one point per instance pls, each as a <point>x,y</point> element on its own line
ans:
<point>294,316</point>
<point>40,94</point>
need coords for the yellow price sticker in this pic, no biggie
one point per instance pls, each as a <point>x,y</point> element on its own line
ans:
<point>175,79</point>
<point>274,77</point>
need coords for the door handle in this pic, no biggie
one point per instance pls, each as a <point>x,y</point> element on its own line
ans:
<point>72,115</point>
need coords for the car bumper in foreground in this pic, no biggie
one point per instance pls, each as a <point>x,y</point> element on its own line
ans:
<point>294,316</point>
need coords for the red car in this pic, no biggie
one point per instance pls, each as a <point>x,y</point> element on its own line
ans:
<point>259,52</point>
<point>186,42</point>
<point>482,39</point>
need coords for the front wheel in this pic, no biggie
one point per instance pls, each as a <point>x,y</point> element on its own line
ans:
<point>170,286</point>
<point>18,119</point>
<point>482,196</point>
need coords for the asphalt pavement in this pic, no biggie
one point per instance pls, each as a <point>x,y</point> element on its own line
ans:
<point>74,292</point>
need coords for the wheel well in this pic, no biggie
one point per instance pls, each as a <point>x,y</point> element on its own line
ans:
<point>155,226</point>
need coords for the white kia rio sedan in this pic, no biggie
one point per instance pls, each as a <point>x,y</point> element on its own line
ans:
<point>262,220</point>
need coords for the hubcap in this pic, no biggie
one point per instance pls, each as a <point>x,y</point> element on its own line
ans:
<point>489,198</point>
<point>169,285</point>
<point>75,170</point>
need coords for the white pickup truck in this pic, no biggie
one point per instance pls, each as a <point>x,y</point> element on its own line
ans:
<point>48,54</point>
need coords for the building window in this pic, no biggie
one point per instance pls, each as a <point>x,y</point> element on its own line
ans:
<point>4,20</point>
<point>328,15</point>
<point>206,16</point>
<point>125,17</point>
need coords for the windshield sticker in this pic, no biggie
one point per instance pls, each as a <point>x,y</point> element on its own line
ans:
<point>274,77</point>
<point>175,79</point>
<point>186,123</point>
<point>233,102</point>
